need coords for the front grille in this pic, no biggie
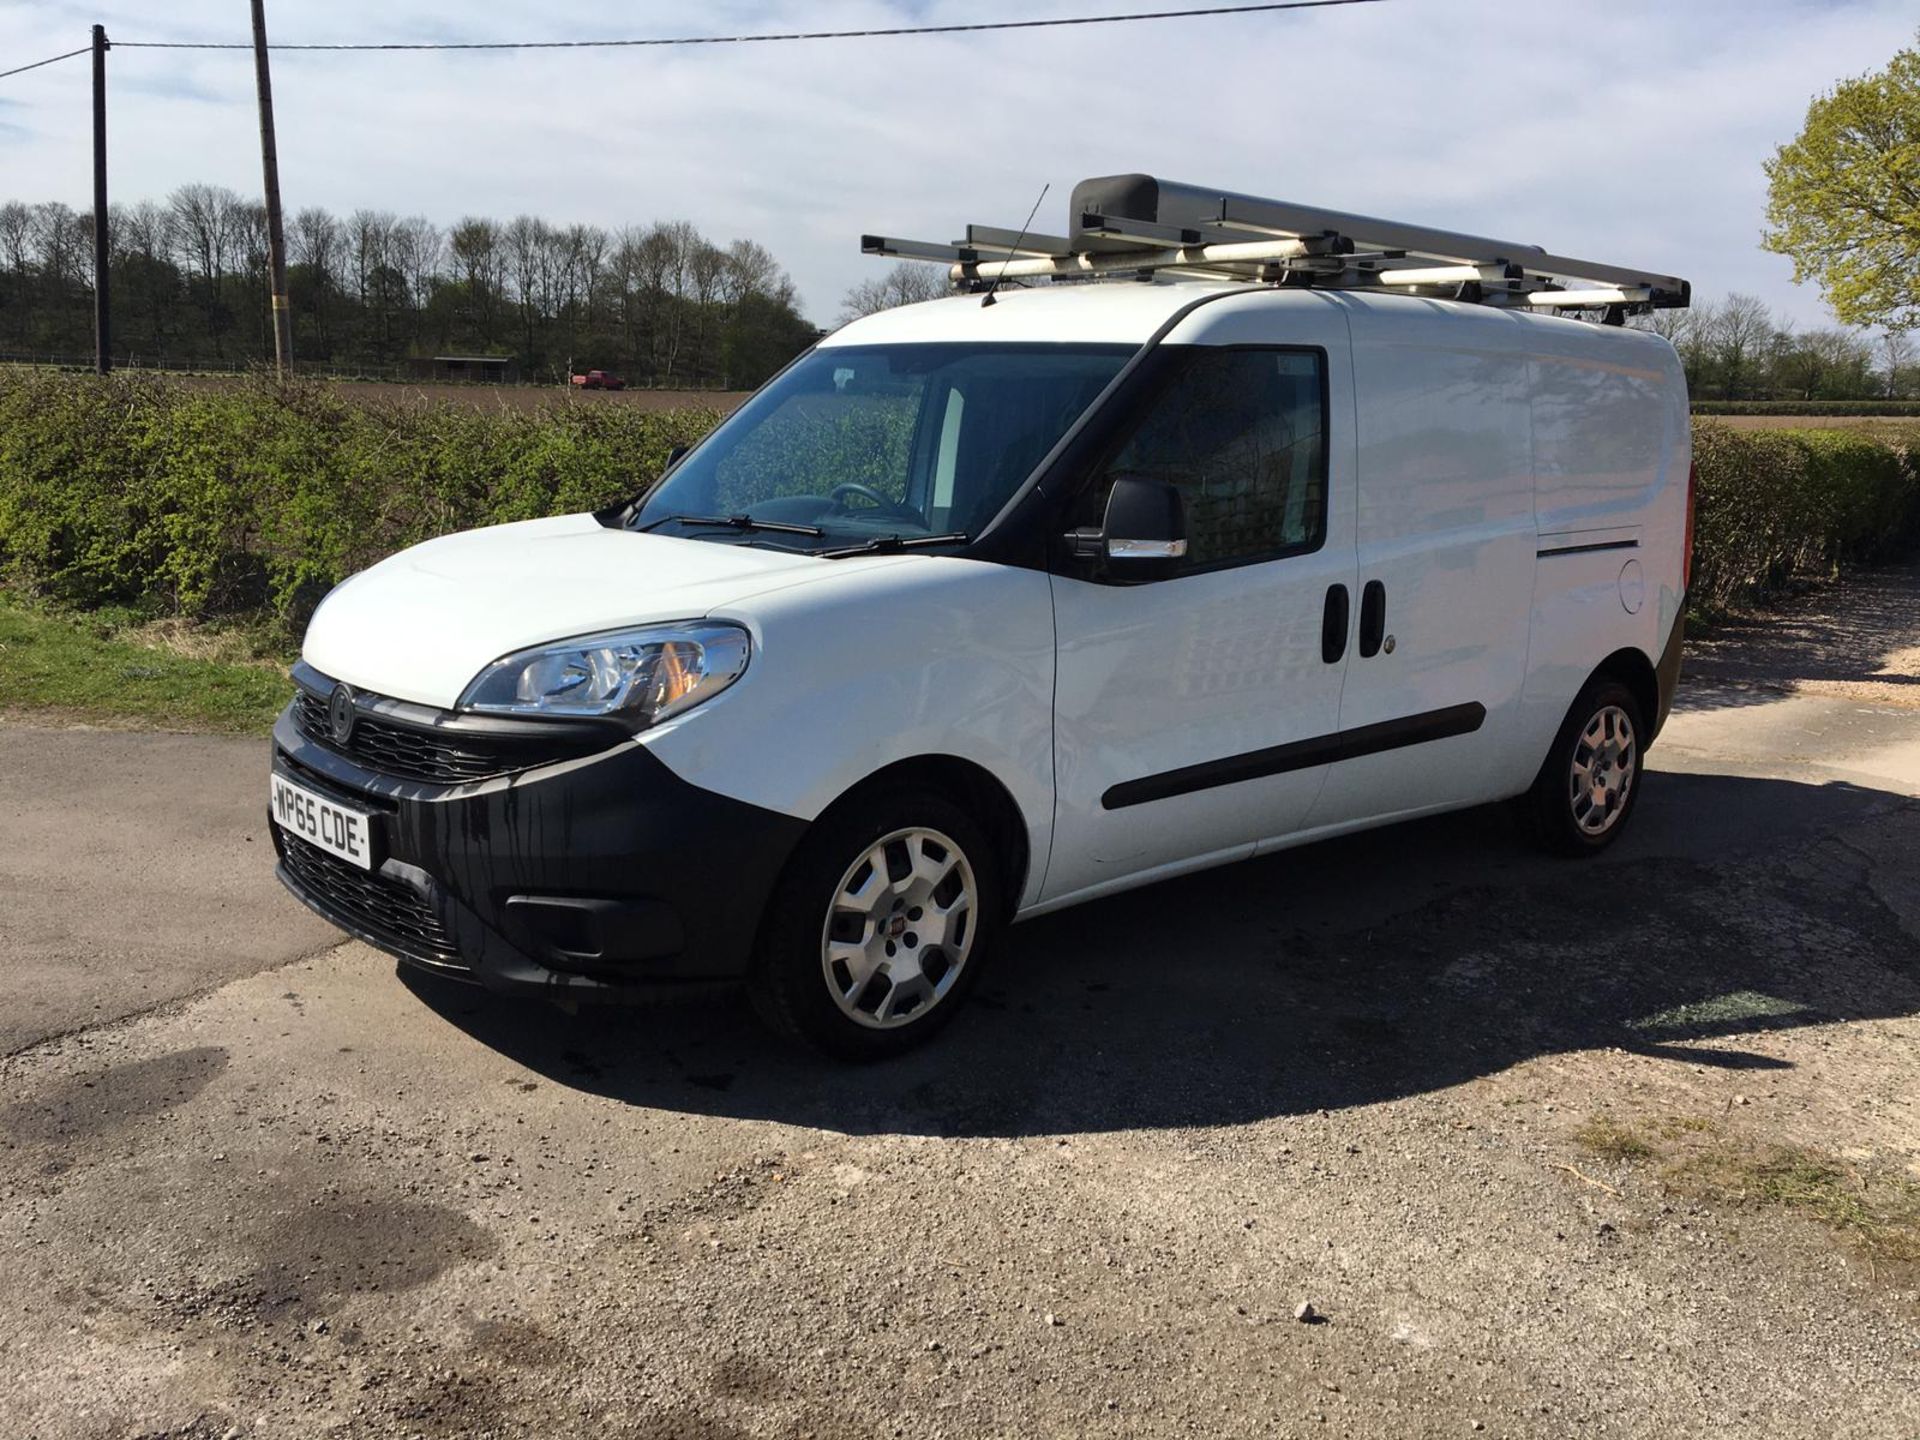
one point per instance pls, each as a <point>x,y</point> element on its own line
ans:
<point>391,913</point>
<point>435,757</point>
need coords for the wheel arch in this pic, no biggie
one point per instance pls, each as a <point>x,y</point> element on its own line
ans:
<point>1631,668</point>
<point>975,789</point>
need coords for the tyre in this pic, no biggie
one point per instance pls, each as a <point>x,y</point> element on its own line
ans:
<point>1585,792</point>
<point>879,926</point>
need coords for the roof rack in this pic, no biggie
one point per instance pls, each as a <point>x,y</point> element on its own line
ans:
<point>1136,225</point>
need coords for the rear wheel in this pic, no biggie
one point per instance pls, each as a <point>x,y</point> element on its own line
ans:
<point>1585,792</point>
<point>879,926</point>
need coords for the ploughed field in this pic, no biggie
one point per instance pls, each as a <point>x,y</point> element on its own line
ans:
<point>499,397</point>
<point>1890,428</point>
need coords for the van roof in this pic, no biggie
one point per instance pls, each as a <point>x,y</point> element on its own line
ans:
<point>1132,313</point>
<point>1061,314</point>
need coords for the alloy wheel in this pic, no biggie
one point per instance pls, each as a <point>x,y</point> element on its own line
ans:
<point>1605,765</point>
<point>900,928</point>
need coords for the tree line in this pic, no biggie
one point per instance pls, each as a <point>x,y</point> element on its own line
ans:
<point>1738,349</point>
<point>660,303</point>
<point>189,285</point>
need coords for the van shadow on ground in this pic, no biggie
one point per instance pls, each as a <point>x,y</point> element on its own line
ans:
<point>1362,970</point>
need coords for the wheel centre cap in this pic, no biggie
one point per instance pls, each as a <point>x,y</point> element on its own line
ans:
<point>896,927</point>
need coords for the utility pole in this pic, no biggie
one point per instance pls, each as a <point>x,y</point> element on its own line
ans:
<point>102,338</point>
<point>270,168</point>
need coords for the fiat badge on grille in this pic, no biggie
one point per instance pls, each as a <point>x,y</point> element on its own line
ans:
<point>340,714</point>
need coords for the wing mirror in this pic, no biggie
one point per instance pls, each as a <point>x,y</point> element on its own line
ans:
<point>1144,536</point>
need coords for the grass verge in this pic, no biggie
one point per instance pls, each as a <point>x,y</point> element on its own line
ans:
<point>1875,1209</point>
<point>93,669</point>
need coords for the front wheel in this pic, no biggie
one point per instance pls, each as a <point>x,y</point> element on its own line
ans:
<point>879,926</point>
<point>1586,790</point>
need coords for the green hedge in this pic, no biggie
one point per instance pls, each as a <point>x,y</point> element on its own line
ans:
<point>209,501</point>
<point>256,499</point>
<point>1822,409</point>
<point>1775,504</point>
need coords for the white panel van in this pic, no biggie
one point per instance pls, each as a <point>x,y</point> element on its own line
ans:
<point>1000,603</point>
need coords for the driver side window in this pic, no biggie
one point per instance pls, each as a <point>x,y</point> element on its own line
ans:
<point>1241,434</point>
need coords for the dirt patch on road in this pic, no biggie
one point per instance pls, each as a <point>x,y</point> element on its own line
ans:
<point>99,1102</point>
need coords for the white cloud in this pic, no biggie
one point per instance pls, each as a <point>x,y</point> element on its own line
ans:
<point>1631,131</point>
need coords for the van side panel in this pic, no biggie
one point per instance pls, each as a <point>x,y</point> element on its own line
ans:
<point>1612,449</point>
<point>1446,529</point>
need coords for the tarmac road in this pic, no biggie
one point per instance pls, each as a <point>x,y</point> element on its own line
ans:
<point>256,1182</point>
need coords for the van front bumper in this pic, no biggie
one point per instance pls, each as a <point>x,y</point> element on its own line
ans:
<point>604,876</point>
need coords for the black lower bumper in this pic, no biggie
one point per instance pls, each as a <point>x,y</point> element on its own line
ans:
<point>600,877</point>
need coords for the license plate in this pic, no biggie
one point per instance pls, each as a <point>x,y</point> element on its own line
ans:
<point>319,821</point>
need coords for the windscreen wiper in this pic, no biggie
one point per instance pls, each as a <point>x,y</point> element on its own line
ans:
<point>739,522</point>
<point>886,544</point>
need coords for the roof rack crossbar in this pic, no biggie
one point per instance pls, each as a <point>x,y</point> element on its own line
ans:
<point>1192,257</point>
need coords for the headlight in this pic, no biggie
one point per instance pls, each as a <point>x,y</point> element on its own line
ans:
<point>644,675</point>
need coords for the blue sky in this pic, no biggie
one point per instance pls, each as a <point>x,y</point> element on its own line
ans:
<point>1630,131</point>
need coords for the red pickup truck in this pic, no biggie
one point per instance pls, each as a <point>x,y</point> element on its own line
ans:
<point>598,380</point>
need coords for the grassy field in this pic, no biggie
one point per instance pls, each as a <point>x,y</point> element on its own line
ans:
<point>101,670</point>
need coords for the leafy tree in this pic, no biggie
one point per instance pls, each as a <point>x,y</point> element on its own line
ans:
<point>1844,197</point>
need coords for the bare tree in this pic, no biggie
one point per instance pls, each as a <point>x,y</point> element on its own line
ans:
<point>1674,326</point>
<point>61,240</point>
<point>204,220</point>
<point>706,274</point>
<point>369,244</point>
<point>1741,328</point>
<point>418,250</point>
<point>525,241</point>
<point>147,284</point>
<point>316,248</point>
<point>907,283</point>
<point>253,264</point>
<point>624,278</point>
<point>313,241</point>
<point>142,230</point>
<point>1896,349</point>
<point>660,301</point>
<point>16,237</point>
<point>475,246</point>
<point>667,252</point>
<point>750,270</point>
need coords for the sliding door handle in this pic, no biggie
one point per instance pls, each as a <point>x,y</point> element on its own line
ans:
<point>1373,618</point>
<point>1333,625</point>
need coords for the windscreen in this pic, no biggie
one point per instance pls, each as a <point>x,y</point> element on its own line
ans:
<point>859,442</point>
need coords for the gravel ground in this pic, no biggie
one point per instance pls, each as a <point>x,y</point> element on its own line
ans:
<point>325,1198</point>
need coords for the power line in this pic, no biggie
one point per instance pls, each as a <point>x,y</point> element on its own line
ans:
<point>50,60</point>
<point>973,27</point>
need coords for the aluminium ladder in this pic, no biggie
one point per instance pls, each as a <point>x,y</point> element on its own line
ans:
<point>1136,225</point>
